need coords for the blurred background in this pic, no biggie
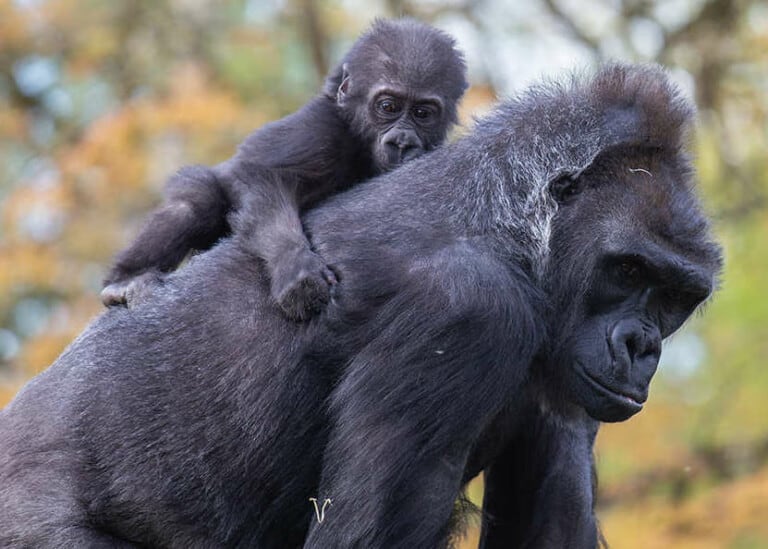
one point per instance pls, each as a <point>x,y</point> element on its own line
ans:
<point>101,100</point>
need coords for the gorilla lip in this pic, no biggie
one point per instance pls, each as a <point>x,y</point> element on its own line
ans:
<point>623,398</point>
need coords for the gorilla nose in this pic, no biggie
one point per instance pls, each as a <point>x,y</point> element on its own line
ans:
<point>633,342</point>
<point>404,145</point>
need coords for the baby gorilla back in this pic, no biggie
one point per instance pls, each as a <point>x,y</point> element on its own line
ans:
<point>391,99</point>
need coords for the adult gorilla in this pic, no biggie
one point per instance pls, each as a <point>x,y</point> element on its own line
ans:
<point>494,298</point>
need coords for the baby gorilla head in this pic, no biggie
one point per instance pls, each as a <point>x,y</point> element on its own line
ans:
<point>398,87</point>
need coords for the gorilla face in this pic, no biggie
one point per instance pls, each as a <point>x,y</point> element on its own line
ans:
<point>630,262</point>
<point>399,89</point>
<point>400,121</point>
<point>406,126</point>
<point>627,310</point>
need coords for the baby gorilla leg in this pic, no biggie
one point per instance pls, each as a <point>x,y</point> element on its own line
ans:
<point>132,291</point>
<point>192,217</point>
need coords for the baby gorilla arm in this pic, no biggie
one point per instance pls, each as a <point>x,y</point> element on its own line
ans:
<point>265,211</point>
<point>268,225</point>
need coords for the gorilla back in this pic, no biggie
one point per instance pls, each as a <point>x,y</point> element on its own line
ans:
<point>203,418</point>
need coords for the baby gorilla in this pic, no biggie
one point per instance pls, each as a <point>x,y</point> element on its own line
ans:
<point>392,98</point>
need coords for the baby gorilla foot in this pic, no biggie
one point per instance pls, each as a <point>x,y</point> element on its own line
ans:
<point>131,291</point>
<point>301,284</point>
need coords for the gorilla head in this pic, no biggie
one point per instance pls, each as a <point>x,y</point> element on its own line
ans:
<point>631,254</point>
<point>399,86</point>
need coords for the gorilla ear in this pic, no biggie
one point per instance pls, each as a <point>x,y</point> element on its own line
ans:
<point>566,186</point>
<point>342,94</point>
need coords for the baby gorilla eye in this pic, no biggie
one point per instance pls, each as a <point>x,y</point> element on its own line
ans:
<point>388,106</point>
<point>422,112</point>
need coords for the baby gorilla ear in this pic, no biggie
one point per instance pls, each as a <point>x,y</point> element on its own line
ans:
<point>345,87</point>
<point>338,84</point>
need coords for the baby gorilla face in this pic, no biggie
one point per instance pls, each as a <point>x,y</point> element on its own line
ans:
<point>406,126</point>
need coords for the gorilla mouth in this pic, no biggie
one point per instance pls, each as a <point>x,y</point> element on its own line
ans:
<point>617,397</point>
<point>393,157</point>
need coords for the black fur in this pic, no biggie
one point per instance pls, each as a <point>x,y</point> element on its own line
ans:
<point>341,137</point>
<point>204,418</point>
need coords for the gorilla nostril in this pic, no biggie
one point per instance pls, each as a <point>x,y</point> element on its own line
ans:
<point>402,146</point>
<point>627,342</point>
<point>631,348</point>
<point>652,349</point>
<point>402,140</point>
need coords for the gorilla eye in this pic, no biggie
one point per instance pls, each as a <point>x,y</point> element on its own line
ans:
<point>388,106</point>
<point>629,270</point>
<point>422,112</point>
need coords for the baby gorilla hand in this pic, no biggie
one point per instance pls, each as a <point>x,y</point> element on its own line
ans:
<point>131,291</point>
<point>301,283</point>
